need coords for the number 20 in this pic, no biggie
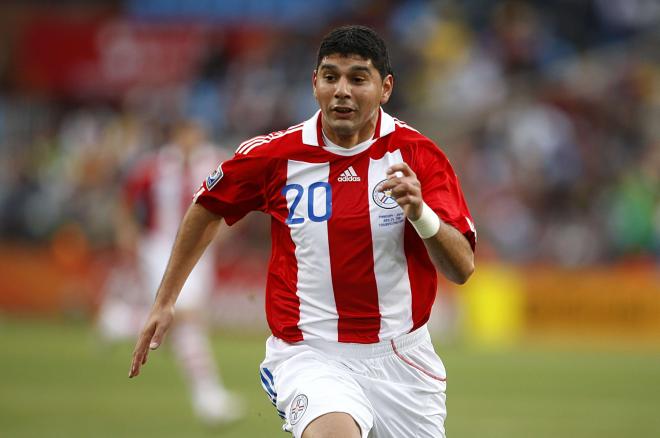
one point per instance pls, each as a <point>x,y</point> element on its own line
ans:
<point>311,193</point>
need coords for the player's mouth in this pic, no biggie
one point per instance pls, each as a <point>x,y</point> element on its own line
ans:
<point>342,112</point>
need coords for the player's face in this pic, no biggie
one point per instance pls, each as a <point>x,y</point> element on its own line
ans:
<point>349,91</point>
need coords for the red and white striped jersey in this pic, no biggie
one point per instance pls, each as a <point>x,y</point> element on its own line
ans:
<point>346,265</point>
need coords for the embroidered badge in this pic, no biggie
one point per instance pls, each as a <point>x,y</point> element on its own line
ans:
<point>214,177</point>
<point>383,199</point>
<point>298,408</point>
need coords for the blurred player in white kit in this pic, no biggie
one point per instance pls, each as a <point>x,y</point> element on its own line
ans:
<point>156,194</point>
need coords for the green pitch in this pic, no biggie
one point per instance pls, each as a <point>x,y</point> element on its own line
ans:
<point>56,381</point>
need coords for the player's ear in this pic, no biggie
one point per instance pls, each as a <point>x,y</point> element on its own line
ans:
<point>314,82</point>
<point>388,86</point>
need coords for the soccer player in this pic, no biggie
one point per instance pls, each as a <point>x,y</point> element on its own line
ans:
<point>364,209</point>
<point>156,195</point>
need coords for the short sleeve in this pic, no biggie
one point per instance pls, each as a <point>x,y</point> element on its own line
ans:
<point>442,192</point>
<point>235,188</point>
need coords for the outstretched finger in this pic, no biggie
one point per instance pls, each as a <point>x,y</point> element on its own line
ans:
<point>139,359</point>
<point>140,352</point>
<point>136,363</point>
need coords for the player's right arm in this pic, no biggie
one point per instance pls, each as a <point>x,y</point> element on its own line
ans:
<point>198,228</point>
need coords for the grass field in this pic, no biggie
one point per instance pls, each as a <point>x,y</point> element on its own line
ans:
<point>56,381</point>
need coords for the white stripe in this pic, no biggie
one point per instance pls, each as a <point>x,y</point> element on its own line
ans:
<point>270,138</point>
<point>258,138</point>
<point>471,225</point>
<point>254,145</point>
<point>309,134</point>
<point>390,264</point>
<point>197,195</point>
<point>318,311</point>
<point>352,171</point>
<point>401,124</point>
<point>386,124</point>
<point>250,141</point>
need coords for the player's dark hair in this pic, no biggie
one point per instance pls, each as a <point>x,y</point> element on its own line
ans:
<point>356,40</point>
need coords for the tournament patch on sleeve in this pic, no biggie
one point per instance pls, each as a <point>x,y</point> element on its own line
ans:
<point>214,177</point>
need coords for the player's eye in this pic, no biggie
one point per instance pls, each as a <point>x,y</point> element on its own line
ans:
<point>329,77</point>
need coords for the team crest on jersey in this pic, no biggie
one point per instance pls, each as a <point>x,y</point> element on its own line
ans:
<point>383,199</point>
<point>214,177</point>
<point>298,408</point>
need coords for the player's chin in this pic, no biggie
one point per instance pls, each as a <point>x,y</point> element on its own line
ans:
<point>343,127</point>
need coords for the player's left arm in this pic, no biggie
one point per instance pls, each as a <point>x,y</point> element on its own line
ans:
<point>449,249</point>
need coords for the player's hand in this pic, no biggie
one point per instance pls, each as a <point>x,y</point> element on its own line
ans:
<point>151,336</point>
<point>404,187</point>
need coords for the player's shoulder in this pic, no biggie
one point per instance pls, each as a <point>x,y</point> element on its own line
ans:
<point>266,145</point>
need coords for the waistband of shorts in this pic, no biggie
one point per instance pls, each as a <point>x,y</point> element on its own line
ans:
<point>379,349</point>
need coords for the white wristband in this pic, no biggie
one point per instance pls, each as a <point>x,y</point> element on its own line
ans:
<point>428,223</point>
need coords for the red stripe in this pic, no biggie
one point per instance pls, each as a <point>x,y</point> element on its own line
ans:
<point>421,272</point>
<point>414,365</point>
<point>282,303</point>
<point>351,256</point>
<point>422,275</point>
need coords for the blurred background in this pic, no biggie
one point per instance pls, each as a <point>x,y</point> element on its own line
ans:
<point>548,110</point>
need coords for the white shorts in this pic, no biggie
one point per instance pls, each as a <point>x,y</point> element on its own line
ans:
<point>154,255</point>
<point>391,389</point>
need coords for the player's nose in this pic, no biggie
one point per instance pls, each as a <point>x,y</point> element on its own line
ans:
<point>342,88</point>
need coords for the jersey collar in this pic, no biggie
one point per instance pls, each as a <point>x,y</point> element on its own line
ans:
<point>312,133</point>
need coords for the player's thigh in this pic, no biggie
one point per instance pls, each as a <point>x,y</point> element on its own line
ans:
<point>406,413</point>
<point>332,425</point>
<point>411,401</point>
<point>307,386</point>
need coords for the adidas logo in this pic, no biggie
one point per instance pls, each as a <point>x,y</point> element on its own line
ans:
<point>349,175</point>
